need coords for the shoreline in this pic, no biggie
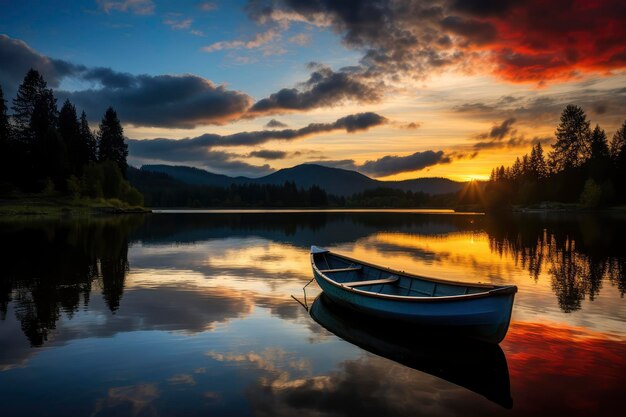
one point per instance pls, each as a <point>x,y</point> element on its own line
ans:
<point>51,207</point>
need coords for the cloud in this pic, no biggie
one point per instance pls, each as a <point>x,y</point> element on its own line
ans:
<point>178,24</point>
<point>207,6</point>
<point>412,125</point>
<point>499,131</point>
<point>197,150</point>
<point>324,88</point>
<point>182,101</point>
<point>275,123</point>
<point>518,41</point>
<point>300,39</point>
<point>535,110</point>
<point>17,58</point>
<point>268,154</point>
<point>257,41</point>
<point>514,141</point>
<point>392,164</point>
<point>495,138</point>
<point>141,7</point>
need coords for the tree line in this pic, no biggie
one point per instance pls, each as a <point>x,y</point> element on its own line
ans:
<point>581,167</point>
<point>162,190</point>
<point>51,151</point>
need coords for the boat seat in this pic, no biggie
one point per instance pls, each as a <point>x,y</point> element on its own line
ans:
<point>390,280</point>
<point>352,268</point>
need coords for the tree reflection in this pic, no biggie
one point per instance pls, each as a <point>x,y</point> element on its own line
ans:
<point>578,252</point>
<point>49,268</point>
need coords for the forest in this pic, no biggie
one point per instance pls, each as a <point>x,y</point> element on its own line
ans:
<point>51,152</point>
<point>581,167</point>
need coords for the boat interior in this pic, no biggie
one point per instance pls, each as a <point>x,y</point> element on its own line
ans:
<point>380,281</point>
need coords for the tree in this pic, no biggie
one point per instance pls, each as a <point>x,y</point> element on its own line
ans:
<point>88,139</point>
<point>28,94</point>
<point>5,141</point>
<point>112,146</point>
<point>599,164</point>
<point>599,147</point>
<point>69,129</point>
<point>618,143</point>
<point>618,156</point>
<point>538,168</point>
<point>572,146</point>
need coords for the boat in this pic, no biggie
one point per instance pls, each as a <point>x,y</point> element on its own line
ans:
<point>481,311</point>
<point>477,366</point>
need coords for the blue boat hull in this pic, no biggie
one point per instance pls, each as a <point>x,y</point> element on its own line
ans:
<point>485,317</point>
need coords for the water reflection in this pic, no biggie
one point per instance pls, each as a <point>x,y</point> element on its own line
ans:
<point>196,310</point>
<point>49,268</point>
<point>578,252</point>
<point>480,367</point>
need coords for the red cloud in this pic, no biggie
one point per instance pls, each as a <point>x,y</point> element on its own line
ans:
<point>539,40</point>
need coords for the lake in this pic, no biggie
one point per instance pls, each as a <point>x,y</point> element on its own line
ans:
<point>185,314</point>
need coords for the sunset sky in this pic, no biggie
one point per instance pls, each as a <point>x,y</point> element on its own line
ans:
<point>394,89</point>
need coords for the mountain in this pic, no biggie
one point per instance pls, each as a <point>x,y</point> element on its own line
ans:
<point>195,176</point>
<point>340,182</point>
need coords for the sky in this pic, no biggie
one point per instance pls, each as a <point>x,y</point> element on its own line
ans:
<point>394,89</point>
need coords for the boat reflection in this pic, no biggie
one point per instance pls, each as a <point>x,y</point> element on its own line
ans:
<point>479,367</point>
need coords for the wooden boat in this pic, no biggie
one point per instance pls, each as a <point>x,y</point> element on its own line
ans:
<point>481,311</point>
<point>478,366</point>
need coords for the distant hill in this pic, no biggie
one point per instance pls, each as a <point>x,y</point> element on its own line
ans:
<point>336,181</point>
<point>195,176</point>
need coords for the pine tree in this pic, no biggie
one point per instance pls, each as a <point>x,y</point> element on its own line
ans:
<point>572,146</point>
<point>5,128</point>
<point>618,143</point>
<point>599,163</point>
<point>69,129</point>
<point>112,146</point>
<point>88,139</point>
<point>28,94</point>
<point>5,141</point>
<point>538,166</point>
<point>599,148</point>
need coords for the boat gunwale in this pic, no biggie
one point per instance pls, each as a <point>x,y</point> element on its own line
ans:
<point>496,290</point>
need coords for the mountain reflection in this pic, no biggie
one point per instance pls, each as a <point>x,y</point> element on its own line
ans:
<point>49,268</point>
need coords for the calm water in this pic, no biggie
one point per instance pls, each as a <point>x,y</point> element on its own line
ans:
<point>191,314</point>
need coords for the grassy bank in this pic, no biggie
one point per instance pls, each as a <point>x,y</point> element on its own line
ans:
<point>46,206</point>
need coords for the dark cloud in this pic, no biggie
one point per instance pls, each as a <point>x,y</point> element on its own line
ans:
<point>108,78</point>
<point>183,101</point>
<point>520,141</point>
<point>197,150</point>
<point>473,30</point>
<point>499,131</point>
<point>268,154</point>
<point>391,164</point>
<point>324,88</point>
<point>17,58</point>
<point>275,123</point>
<point>416,38</point>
